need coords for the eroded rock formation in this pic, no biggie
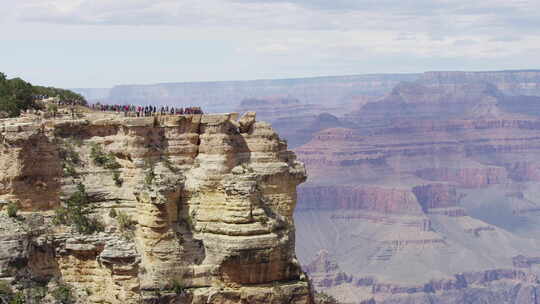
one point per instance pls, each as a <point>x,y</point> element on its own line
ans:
<point>431,198</point>
<point>193,209</point>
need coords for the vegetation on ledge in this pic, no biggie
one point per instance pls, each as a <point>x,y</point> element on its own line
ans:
<point>76,213</point>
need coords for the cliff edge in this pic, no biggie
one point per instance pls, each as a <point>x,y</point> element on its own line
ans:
<point>165,209</point>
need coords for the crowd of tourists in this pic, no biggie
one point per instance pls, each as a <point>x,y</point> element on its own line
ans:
<point>58,101</point>
<point>142,111</point>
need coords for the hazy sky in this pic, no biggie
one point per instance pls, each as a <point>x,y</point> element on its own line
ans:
<point>101,43</point>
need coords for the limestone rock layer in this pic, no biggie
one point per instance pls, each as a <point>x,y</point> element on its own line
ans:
<point>194,209</point>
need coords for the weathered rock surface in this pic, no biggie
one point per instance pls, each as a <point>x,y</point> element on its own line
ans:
<point>198,209</point>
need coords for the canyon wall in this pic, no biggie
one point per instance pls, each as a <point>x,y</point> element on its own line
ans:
<point>428,195</point>
<point>177,209</point>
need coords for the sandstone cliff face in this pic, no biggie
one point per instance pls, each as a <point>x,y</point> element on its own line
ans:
<point>206,206</point>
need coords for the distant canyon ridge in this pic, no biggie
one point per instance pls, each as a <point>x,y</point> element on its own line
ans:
<point>330,90</point>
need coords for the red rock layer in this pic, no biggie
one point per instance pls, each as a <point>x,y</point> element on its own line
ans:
<point>436,196</point>
<point>368,198</point>
<point>466,177</point>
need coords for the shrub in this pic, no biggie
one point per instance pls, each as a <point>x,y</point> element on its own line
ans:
<point>189,222</point>
<point>67,153</point>
<point>177,287</point>
<point>70,158</point>
<point>111,162</point>
<point>125,223</point>
<point>37,293</point>
<point>118,181</point>
<point>61,215</point>
<point>98,156</point>
<point>12,209</point>
<point>5,288</point>
<point>76,213</point>
<point>102,159</point>
<point>87,225</point>
<point>112,213</point>
<point>18,298</point>
<point>264,220</point>
<point>70,171</point>
<point>63,294</point>
<point>150,173</point>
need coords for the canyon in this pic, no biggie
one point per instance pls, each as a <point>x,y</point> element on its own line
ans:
<point>421,188</point>
<point>428,196</point>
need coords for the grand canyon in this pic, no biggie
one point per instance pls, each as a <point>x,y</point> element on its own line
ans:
<point>422,188</point>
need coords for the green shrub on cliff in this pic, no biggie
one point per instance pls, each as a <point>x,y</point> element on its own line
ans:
<point>113,213</point>
<point>125,222</point>
<point>75,212</point>
<point>70,158</point>
<point>150,174</point>
<point>118,181</point>
<point>18,298</point>
<point>177,288</point>
<point>63,294</point>
<point>12,210</point>
<point>5,288</point>
<point>102,159</point>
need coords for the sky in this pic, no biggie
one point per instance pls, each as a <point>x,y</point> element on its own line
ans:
<point>102,43</point>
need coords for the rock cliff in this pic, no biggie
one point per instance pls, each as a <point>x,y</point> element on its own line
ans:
<point>167,209</point>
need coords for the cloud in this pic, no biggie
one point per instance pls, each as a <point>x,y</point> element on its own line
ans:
<point>295,36</point>
<point>508,38</point>
<point>191,13</point>
<point>316,27</point>
<point>464,42</point>
<point>439,19</point>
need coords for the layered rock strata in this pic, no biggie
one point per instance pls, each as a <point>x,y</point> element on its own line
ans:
<point>435,184</point>
<point>195,209</point>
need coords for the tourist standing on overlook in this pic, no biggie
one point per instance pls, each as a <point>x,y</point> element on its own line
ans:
<point>144,111</point>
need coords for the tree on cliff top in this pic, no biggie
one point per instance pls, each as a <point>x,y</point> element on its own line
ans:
<point>17,95</point>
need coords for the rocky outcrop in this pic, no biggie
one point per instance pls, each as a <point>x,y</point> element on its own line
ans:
<point>369,198</point>
<point>193,209</point>
<point>466,177</point>
<point>433,196</point>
